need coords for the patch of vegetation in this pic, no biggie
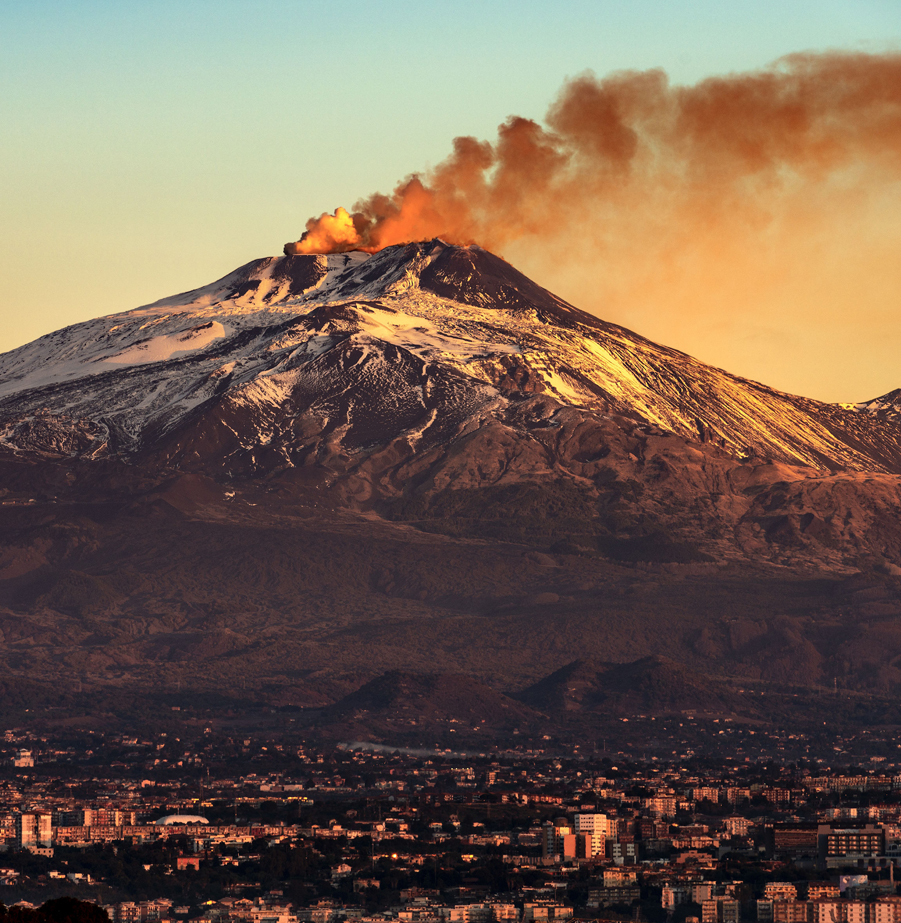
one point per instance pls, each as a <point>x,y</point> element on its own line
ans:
<point>72,592</point>
<point>530,514</point>
<point>58,910</point>
<point>653,548</point>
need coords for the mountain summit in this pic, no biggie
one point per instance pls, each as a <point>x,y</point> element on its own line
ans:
<point>419,459</point>
<point>417,342</point>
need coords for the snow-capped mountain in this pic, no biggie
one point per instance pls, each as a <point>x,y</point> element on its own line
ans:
<point>288,356</point>
<point>321,468</point>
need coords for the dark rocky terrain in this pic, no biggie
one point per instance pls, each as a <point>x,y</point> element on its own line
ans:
<point>417,484</point>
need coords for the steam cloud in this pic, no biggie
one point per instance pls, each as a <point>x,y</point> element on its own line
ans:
<point>774,192</point>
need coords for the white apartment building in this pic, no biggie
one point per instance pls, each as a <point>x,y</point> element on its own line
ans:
<point>596,826</point>
<point>34,831</point>
<point>886,910</point>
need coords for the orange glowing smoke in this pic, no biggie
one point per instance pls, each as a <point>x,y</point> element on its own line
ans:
<point>751,219</point>
<point>328,234</point>
<point>726,139</point>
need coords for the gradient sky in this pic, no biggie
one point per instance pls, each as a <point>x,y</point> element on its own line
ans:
<point>150,147</point>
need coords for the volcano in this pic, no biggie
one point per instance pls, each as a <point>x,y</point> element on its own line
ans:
<point>324,468</point>
<point>419,343</point>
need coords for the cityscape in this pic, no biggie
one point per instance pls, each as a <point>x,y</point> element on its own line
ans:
<point>207,827</point>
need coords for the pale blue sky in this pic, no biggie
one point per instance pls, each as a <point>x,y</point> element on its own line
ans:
<point>149,147</point>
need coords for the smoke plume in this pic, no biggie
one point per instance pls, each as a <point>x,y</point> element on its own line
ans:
<point>740,193</point>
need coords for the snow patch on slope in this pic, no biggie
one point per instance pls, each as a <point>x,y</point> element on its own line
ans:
<point>170,346</point>
<point>421,336</point>
<point>887,404</point>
